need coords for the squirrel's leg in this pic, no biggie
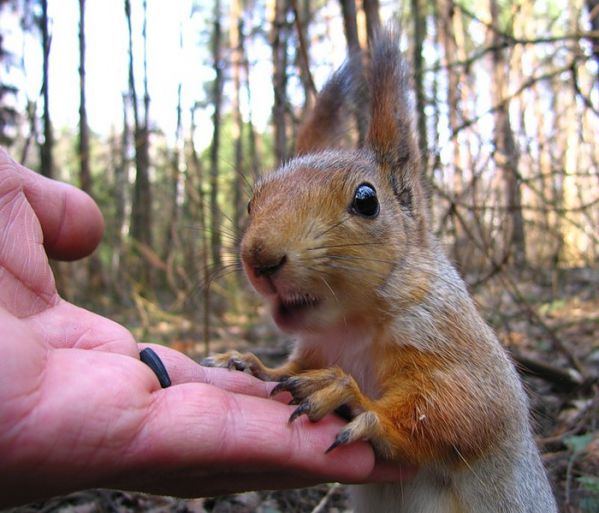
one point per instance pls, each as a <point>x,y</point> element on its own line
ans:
<point>412,421</point>
<point>323,391</point>
<point>251,363</point>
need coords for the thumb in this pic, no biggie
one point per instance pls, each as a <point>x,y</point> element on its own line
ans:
<point>70,220</point>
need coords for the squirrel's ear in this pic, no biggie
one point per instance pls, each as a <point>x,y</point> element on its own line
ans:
<point>391,135</point>
<point>328,122</point>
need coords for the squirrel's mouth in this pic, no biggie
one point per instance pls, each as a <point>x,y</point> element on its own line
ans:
<point>289,310</point>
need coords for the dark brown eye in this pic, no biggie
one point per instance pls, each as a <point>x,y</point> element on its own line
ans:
<point>249,207</point>
<point>365,202</point>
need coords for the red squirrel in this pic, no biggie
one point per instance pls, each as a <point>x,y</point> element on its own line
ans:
<point>339,244</point>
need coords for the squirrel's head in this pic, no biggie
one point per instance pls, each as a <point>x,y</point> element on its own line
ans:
<point>330,229</point>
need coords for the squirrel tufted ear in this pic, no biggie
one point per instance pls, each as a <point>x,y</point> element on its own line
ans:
<point>391,135</point>
<point>326,125</point>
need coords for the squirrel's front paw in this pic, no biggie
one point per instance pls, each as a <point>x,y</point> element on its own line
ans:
<point>234,360</point>
<point>318,392</point>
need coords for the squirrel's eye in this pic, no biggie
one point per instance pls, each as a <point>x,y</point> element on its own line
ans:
<point>365,202</point>
<point>249,207</point>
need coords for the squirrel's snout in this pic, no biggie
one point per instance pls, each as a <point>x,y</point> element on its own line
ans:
<point>261,260</point>
<point>269,267</point>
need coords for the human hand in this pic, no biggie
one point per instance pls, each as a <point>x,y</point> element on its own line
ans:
<point>78,409</point>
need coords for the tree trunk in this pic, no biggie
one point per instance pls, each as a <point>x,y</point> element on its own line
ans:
<point>121,183</point>
<point>573,234</point>
<point>302,20</point>
<point>217,93</point>
<point>46,159</point>
<point>279,58</point>
<point>84,172</point>
<point>32,121</point>
<point>206,296</point>
<point>445,15</point>
<point>593,8</point>
<point>236,35</point>
<point>172,241</point>
<point>419,16</point>
<point>506,152</point>
<point>350,25</point>
<point>141,210</point>
<point>253,140</point>
<point>95,278</point>
<point>373,18</point>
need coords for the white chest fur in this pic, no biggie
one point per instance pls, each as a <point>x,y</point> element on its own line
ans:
<point>350,349</point>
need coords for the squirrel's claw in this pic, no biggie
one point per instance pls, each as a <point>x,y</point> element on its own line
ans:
<point>237,364</point>
<point>208,362</point>
<point>282,386</point>
<point>342,438</point>
<point>304,407</point>
<point>364,427</point>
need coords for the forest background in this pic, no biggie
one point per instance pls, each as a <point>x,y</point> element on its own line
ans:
<point>166,112</point>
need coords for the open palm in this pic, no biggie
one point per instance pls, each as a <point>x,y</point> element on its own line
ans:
<point>78,409</point>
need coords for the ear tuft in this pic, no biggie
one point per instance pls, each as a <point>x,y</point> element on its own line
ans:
<point>326,125</point>
<point>391,135</point>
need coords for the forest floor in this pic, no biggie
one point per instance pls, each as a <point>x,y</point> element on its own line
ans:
<point>554,339</point>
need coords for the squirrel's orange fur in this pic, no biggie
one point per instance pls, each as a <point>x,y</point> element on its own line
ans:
<point>339,243</point>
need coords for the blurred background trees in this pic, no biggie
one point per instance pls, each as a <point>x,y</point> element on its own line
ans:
<point>507,105</point>
<point>506,95</point>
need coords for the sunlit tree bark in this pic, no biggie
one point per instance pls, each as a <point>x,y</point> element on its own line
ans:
<point>506,151</point>
<point>141,211</point>
<point>373,18</point>
<point>84,172</point>
<point>235,37</point>
<point>217,95</point>
<point>46,157</point>
<point>419,34</point>
<point>279,39</point>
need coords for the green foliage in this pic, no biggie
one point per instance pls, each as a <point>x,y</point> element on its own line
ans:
<point>553,306</point>
<point>578,443</point>
<point>590,483</point>
<point>590,503</point>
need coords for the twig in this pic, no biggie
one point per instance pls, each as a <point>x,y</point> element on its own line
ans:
<point>319,508</point>
<point>564,379</point>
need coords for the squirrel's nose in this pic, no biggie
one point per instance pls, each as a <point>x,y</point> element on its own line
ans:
<point>269,266</point>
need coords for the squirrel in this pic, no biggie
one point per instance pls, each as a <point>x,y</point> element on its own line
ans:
<point>339,243</point>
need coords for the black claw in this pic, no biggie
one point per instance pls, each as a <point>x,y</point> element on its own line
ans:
<point>239,365</point>
<point>300,410</point>
<point>286,385</point>
<point>341,439</point>
<point>280,387</point>
<point>234,364</point>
